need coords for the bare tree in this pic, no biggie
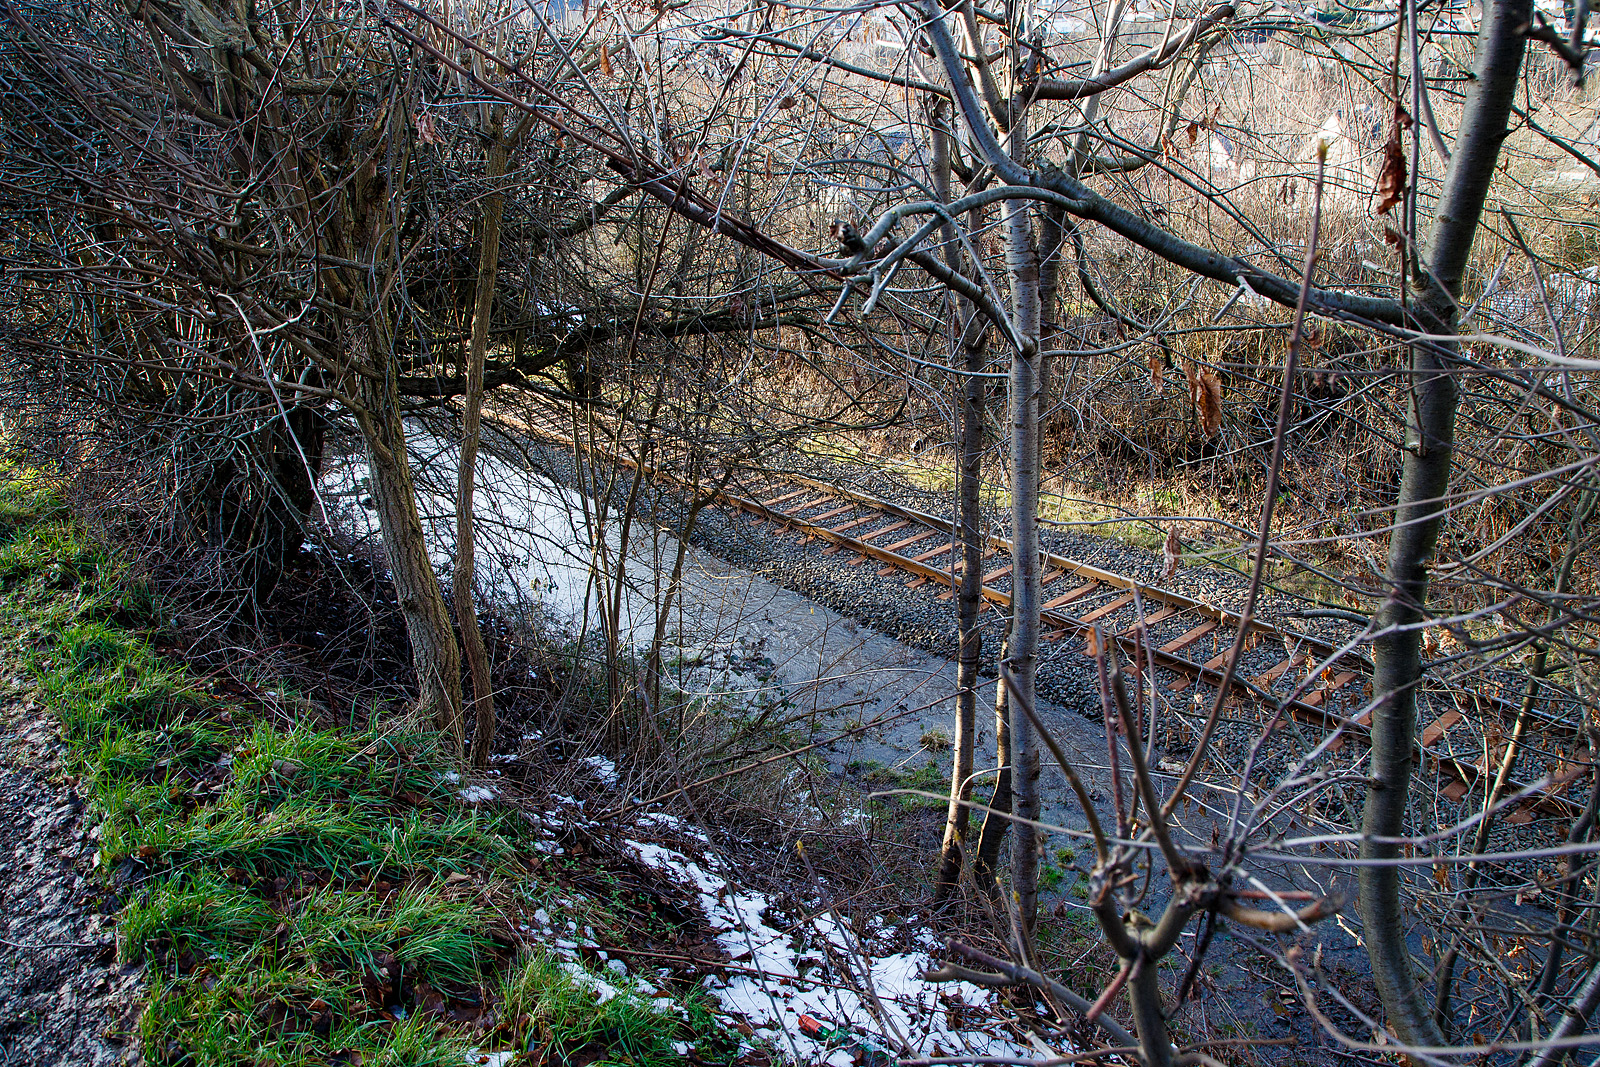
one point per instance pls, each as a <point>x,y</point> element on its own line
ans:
<point>997,96</point>
<point>261,238</point>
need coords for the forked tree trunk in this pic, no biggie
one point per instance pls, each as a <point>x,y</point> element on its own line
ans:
<point>481,707</point>
<point>1425,479</point>
<point>434,655</point>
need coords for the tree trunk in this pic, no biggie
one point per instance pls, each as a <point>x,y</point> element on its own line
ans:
<point>482,705</point>
<point>969,473</point>
<point>1022,265</point>
<point>1425,479</point>
<point>969,601</point>
<point>434,655</point>
<point>997,818</point>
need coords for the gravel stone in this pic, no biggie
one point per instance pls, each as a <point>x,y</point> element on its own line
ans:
<point>63,999</point>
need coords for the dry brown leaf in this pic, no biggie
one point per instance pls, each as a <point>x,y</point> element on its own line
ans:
<point>1206,388</point>
<point>1172,553</point>
<point>1194,132</point>
<point>605,60</point>
<point>1157,377</point>
<point>1392,179</point>
<point>787,102</point>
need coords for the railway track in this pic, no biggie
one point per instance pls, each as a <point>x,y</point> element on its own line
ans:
<point>1183,641</point>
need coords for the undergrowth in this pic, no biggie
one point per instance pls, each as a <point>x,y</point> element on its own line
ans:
<point>297,893</point>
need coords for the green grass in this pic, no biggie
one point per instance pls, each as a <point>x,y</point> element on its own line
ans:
<point>298,894</point>
<point>565,1023</point>
<point>930,776</point>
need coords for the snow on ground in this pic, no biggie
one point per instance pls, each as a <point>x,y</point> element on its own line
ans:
<point>534,546</point>
<point>781,977</point>
<point>603,769</point>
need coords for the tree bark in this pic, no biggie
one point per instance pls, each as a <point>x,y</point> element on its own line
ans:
<point>997,818</point>
<point>969,601</point>
<point>1022,265</point>
<point>971,343</point>
<point>481,707</point>
<point>434,654</point>
<point>1425,479</point>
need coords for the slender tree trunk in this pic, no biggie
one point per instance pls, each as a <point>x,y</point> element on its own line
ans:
<point>1425,479</point>
<point>971,343</point>
<point>481,707</point>
<point>969,601</point>
<point>1149,1019</point>
<point>1022,264</point>
<point>997,818</point>
<point>434,654</point>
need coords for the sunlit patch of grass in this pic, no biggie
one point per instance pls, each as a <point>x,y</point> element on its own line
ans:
<point>554,1015</point>
<point>930,477</point>
<point>424,928</point>
<point>253,1010</point>
<point>1082,516</point>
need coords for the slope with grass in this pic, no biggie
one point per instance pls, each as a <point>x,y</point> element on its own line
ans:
<point>298,893</point>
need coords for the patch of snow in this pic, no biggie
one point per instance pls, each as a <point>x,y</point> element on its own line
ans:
<point>477,794</point>
<point>771,985</point>
<point>603,769</point>
<point>602,989</point>
<point>537,544</point>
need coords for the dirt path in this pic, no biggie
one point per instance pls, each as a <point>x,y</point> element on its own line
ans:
<point>63,999</point>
